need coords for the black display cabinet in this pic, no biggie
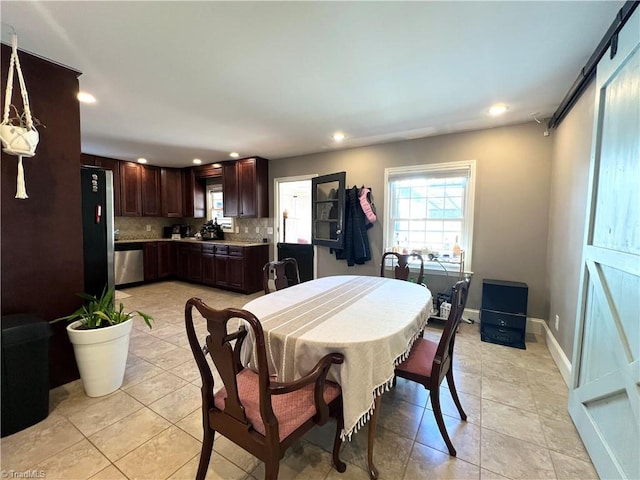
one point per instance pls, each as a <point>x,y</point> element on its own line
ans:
<point>503,315</point>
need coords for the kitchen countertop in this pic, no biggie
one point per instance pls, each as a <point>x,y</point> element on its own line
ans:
<point>193,240</point>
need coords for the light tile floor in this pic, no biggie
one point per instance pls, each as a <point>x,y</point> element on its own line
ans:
<point>518,426</point>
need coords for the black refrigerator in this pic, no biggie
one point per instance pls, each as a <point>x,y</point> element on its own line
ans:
<point>97,229</point>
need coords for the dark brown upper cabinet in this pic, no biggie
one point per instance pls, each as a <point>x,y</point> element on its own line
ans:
<point>171,187</point>
<point>328,203</point>
<point>131,189</point>
<point>245,185</point>
<point>193,198</point>
<point>150,185</point>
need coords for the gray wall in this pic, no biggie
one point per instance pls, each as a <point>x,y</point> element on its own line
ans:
<point>569,180</point>
<point>513,166</point>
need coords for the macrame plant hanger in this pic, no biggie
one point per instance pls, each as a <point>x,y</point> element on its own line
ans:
<point>20,140</point>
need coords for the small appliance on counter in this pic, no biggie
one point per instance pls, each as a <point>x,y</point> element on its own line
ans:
<point>187,231</point>
<point>212,231</point>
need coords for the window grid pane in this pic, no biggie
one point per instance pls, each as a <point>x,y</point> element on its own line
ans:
<point>427,212</point>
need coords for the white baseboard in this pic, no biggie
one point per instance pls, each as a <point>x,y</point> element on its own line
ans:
<point>538,326</point>
<point>562,362</point>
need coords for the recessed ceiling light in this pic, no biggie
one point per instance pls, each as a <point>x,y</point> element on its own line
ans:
<point>497,109</point>
<point>85,97</point>
<point>142,160</point>
<point>338,137</point>
<point>197,161</point>
<point>234,154</point>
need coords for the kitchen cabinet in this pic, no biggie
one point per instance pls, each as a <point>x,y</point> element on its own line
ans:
<point>131,189</point>
<point>240,267</point>
<point>194,192</point>
<point>235,267</point>
<point>166,260</point>
<point>194,260</point>
<point>107,164</point>
<point>221,260</point>
<point>150,188</point>
<point>171,192</point>
<point>150,250</point>
<point>245,187</point>
<point>208,265</point>
<point>182,268</point>
<point>159,260</point>
<point>208,171</point>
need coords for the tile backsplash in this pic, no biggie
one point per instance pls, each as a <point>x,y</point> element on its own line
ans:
<point>134,228</point>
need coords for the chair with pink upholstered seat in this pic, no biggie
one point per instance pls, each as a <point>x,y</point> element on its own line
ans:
<point>252,410</point>
<point>429,362</point>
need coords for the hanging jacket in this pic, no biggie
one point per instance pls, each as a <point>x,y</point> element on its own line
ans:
<point>356,241</point>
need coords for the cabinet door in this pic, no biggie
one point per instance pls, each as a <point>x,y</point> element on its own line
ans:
<point>166,259</point>
<point>151,191</point>
<point>171,187</point>
<point>208,269</point>
<point>150,261</point>
<point>220,261</point>
<point>235,272</point>
<point>247,188</point>
<point>131,189</point>
<point>113,165</point>
<point>194,191</point>
<point>195,263</point>
<point>231,207</point>
<point>328,201</point>
<point>183,262</point>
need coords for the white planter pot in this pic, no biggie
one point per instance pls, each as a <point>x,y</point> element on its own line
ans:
<point>101,355</point>
<point>19,140</point>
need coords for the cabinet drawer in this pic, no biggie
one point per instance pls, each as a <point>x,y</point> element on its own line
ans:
<point>504,336</point>
<point>222,250</point>
<point>207,248</point>
<point>501,319</point>
<point>195,248</point>
<point>236,251</point>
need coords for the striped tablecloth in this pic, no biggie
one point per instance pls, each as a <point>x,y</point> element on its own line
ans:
<point>372,321</point>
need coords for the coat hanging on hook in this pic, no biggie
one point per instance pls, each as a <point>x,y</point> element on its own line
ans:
<point>18,134</point>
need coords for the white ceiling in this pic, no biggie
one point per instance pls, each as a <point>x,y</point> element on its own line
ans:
<point>178,80</point>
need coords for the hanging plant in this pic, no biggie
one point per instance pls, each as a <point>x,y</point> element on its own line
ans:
<point>18,133</point>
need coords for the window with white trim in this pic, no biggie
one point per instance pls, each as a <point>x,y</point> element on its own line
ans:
<point>429,209</point>
<point>215,202</point>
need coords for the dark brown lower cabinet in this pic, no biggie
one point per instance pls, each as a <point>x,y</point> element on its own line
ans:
<point>150,261</point>
<point>231,267</point>
<point>195,263</point>
<point>166,260</point>
<point>182,268</point>
<point>208,265</point>
<point>221,260</point>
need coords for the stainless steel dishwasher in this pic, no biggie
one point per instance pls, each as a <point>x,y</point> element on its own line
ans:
<point>128,263</point>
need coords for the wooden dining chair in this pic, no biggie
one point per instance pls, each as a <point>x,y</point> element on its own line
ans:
<point>429,362</point>
<point>283,273</point>
<point>401,270</point>
<point>252,410</point>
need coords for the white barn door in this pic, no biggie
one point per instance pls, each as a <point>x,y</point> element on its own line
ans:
<point>604,399</point>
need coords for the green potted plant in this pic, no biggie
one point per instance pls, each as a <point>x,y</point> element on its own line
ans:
<point>100,333</point>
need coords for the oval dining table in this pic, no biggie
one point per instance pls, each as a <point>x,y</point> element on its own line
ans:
<point>372,321</point>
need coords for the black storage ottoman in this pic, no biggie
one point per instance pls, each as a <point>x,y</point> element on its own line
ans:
<point>25,372</point>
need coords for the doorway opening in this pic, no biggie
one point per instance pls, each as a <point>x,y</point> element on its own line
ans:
<point>292,223</point>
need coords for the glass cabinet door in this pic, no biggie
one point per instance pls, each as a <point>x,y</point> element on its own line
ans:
<point>328,197</point>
